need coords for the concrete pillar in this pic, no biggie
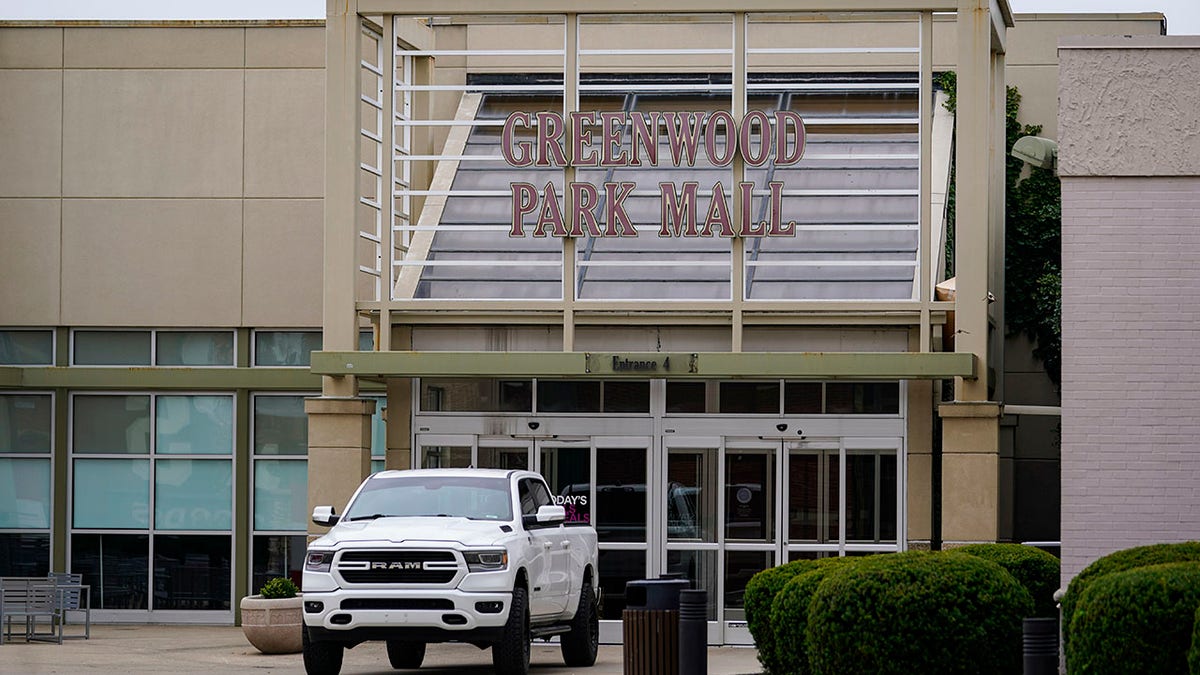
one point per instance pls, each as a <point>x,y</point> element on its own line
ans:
<point>920,464</point>
<point>399,423</point>
<point>339,450</point>
<point>971,495</point>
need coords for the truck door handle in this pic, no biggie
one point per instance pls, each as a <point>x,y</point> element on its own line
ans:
<point>546,545</point>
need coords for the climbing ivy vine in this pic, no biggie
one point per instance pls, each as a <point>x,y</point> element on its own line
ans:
<point>1033,243</point>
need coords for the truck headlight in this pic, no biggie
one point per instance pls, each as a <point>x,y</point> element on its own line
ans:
<point>486,561</point>
<point>318,561</point>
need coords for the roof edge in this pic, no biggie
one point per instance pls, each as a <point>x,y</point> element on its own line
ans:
<point>162,23</point>
<point>1129,42</point>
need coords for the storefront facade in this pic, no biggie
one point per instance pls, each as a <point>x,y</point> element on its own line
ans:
<point>175,400</point>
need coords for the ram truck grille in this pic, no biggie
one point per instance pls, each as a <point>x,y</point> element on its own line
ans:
<point>397,567</point>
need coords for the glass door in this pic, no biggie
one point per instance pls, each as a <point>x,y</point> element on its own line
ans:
<point>692,500</point>
<point>750,519</point>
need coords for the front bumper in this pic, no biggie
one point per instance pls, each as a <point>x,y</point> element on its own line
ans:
<point>345,610</point>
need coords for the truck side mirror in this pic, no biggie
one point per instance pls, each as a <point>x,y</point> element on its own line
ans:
<point>546,515</point>
<point>325,515</point>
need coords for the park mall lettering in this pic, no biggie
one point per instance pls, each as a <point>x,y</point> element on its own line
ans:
<point>594,139</point>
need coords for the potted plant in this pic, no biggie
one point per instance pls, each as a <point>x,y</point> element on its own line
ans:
<point>272,620</point>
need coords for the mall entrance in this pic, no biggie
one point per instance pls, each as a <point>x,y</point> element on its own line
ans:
<point>712,497</point>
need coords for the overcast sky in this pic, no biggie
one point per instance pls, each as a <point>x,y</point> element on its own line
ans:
<point>1183,16</point>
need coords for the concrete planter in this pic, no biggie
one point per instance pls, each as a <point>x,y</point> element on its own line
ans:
<point>274,625</point>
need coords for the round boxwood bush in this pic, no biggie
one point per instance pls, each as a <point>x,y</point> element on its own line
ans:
<point>1139,621</point>
<point>917,612</point>
<point>1128,559</point>
<point>760,593</point>
<point>789,616</point>
<point>1037,570</point>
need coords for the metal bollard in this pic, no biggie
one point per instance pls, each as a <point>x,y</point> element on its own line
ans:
<point>1040,646</point>
<point>693,632</point>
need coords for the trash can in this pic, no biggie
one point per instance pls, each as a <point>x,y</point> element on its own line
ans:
<point>650,626</point>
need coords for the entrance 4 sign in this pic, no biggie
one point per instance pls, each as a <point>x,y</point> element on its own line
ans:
<point>756,141</point>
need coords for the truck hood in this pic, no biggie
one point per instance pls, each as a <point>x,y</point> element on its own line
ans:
<point>416,529</point>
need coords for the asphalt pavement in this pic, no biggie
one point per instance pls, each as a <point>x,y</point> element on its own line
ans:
<point>223,649</point>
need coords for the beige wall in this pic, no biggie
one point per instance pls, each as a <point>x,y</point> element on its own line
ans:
<point>161,176</point>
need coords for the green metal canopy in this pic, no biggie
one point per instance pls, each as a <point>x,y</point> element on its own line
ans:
<point>643,365</point>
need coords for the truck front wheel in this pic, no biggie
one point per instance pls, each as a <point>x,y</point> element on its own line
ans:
<point>322,658</point>
<point>403,654</point>
<point>579,646</point>
<point>510,656</point>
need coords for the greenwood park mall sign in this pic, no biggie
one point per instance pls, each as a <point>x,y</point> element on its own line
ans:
<point>594,139</point>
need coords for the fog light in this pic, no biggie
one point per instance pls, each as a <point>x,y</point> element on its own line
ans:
<point>489,607</point>
<point>454,619</point>
<point>314,606</point>
<point>340,619</point>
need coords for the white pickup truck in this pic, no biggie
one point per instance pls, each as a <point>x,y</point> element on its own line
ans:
<point>450,555</point>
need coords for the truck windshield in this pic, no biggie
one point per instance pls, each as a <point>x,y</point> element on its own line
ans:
<point>471,497</point>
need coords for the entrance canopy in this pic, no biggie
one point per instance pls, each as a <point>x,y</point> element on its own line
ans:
<point>815,365</point>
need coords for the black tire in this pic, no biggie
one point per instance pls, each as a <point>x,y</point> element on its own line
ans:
<point>322,658</point>
<point>510,656</point>
<point>402,654</point>
<point>579,647</point>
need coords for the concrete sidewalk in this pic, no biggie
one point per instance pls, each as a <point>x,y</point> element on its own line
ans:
<point>223,649</point>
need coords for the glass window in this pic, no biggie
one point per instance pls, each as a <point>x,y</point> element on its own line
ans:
<point>616,569</point>
<point>750,496</point>
<point>626,397</point>
<point>116,566</point>
<point>750,398</point>
<point>278,556</point>
<point>24,554</point>
<point>476,395</point>
<point>740,566</point>
<point>280,425</point>
<point>568,396</point>
<point>621,494</point>
<point>25,423</point>
<point>112,493</point>
<point>26,347</point>
<point>280,494</point>
<point>366,340</point>
<point>503,458</point>
<point>692,494</point>
<point>802,398</point>
<point>111,424</point>
<point>24,493</point>
<point>567,472</point>
<point>193,494</point>
<point>285,348</point>
<point>379,428</point>
<point>194,425</point>
<point>448,457</point>
<point>112,348</point>
<point>862,398</point>
<point>700,568</point>
<point>194,348</point>
<point>685,397</point>
<point>192,572</point>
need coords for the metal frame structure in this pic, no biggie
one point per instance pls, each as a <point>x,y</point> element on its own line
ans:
<point>981,27</point>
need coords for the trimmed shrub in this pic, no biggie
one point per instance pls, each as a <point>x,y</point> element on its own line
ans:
<point>1038,571</point>
<point>1194,652</point>
<point>279,587</point>
<point>1139,621</point>
<point>917,612</point>
<point>1128,559</point>
<point>789,616</point>
<point>760,593</point>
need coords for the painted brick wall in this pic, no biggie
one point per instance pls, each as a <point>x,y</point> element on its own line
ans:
<point>1131,364</point>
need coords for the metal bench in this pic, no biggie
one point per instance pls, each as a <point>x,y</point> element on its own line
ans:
<point>74,596</point>
<point>31,599</point>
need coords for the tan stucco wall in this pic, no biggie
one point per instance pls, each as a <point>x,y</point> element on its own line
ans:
<point>167,175</point>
